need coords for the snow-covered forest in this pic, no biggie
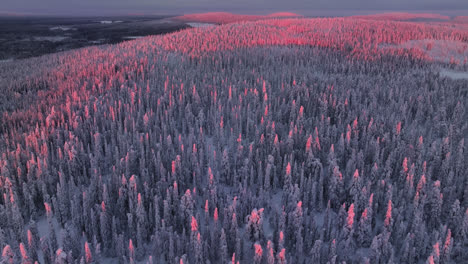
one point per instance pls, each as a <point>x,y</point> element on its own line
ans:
<point>269,141</point>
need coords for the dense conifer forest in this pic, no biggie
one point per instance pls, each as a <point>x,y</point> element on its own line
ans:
<point>270,141</point>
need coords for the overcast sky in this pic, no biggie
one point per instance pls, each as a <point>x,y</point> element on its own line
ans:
<point>245,6</point>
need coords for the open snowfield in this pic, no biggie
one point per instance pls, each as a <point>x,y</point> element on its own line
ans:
<point>456,75</point>
<point>198,25</point>
<point>447,51</point>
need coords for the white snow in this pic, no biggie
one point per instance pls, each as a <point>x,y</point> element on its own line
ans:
<point>438,50</point>
<point>455,75</point>
<point>110,21</point>
<point>200,25</point>
<point>7,60</point>
<point>132,37</point>
<point>43,228</point>
<point>63,28</point>
<point>52,39</point>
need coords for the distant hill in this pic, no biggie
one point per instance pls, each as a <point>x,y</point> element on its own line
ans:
<point>225,17</point>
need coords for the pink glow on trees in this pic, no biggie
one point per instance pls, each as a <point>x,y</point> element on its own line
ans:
<point>398,128</point>
<point>8,254</point>
<point>132,183</point>
<point>173,167</point>
<point>419,187</point>
<point>364,214</point>
<point>48,209</point>
<point>254,216</point>
<point>405,164</point>
<point>436,250</point>
<point>215,214</point>
<point>350,218</point>
<point>348,134</point>
<point>282,256</point>
<point>388,215</point>
<point>448,241</point>
<point>270,256</point>
<point>194,224</point>
<point>30,239</point>
<point>88,255</point>
<point>309,143</point>
<point>210,176</point>
<point>356,174</point>
<point>337,173</point>
<point>258,253</point>
<point>430,260</point>
<point>110,100</point>
<point>371,200</point>
<point>139,201</point>
<point>288,169</point>
<point>317,143</point>
<point>24,255</point>
<point>356,33</point>
<point>131,249</point>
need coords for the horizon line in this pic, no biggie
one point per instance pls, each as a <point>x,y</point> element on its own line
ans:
<point>174,12</point>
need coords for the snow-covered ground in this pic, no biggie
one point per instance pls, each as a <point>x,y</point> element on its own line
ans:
<point>441,50</point>
<point>110,21</point>
<point>43,228</point>
<point>132,37</point>
<point>438,50</point>
<point>63,28</point>
<point>52,39</point>
<point>456,75</point>
<point>200,25</point>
